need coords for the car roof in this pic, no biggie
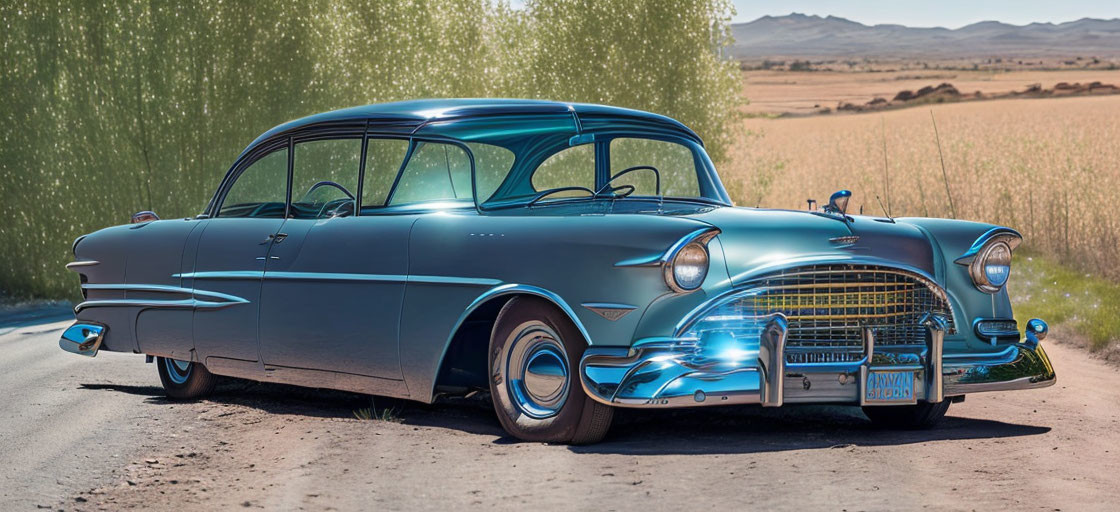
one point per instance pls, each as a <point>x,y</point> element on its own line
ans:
<point>412,115</point>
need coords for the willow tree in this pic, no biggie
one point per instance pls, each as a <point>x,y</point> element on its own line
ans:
<point>123,105</point>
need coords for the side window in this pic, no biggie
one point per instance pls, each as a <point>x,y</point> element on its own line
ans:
<point>325,178</point>
<point>260,190</point>
<point>491,166</point>
<point>436,172</point>
<point>383,160</point>
<point>571,167</point>
<point>673,161</point>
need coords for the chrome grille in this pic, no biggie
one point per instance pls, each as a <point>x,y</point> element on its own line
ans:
<point>829,305</point>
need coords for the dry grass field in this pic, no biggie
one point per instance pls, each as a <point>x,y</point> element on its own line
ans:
<point>786,92</point>
<point>1047,167</point>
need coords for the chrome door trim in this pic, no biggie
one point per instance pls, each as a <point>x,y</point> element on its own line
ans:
<point>334,276</point>
<point>192,302</point>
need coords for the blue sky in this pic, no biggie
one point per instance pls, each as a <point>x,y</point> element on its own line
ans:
<point>934,13</point>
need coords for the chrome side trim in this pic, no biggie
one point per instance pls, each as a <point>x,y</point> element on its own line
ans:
<point>224,274</point>
<point>471,281</point>
<point>609,310</point>
<point>702,235</point>
<point>332,276</point>
<point>225,300</point>
<point>1012,237</point>
<point>154,303</point>
<point>82,338</point>
<point>165,289</point>
<point>76,264</point>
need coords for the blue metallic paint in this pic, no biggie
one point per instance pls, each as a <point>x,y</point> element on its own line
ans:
<point>571,252</point>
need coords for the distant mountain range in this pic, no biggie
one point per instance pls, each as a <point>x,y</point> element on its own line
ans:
<point>800,35</point>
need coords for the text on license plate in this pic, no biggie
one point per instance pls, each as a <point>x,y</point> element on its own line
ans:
<point>889,386</point>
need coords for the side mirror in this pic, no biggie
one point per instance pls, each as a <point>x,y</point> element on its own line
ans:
<point>838,202</point>
<point>144,216</point>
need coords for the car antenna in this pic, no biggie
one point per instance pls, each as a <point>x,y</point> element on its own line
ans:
<point>886,168</point>
<point>885,211</point>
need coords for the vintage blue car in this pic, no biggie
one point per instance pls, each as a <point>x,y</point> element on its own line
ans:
<point>566,258</point>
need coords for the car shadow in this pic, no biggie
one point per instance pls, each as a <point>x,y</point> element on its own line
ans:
<point>699,431</point>
<point>737,430</point>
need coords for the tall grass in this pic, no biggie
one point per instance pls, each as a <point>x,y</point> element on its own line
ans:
<point>112,107</point>
<point>1048,168</point>
<point>1043,288</point>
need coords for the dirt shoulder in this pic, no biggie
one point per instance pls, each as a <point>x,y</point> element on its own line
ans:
<point>277,447</point>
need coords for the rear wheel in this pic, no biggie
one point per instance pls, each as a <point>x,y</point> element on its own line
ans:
<point>185,380</point>
<point>907,417</point>
<point>534,363</point>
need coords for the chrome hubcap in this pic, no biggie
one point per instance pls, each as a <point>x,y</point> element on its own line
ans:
<point>538,372</point>
<point>177,370</point>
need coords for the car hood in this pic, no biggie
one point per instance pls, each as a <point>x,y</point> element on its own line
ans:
<point>756,241</point>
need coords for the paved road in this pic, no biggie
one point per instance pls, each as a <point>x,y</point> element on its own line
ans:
<point>63,429</point>
<point>80,433</point>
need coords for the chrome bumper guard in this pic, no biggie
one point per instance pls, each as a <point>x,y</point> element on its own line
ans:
<point>669,374</point>
<point>82,338</point>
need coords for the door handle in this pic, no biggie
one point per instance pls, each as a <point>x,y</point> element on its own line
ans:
<point>279,237</point>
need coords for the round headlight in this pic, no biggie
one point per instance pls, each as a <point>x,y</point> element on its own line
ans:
<point>688,268</point>
<point>992,267</point>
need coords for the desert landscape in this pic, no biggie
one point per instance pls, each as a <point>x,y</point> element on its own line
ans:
<point>1020,139</point>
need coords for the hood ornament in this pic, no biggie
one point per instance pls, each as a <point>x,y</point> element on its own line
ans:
<point>838,202</point>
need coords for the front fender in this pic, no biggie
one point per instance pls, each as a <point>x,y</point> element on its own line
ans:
<point>952,239</point>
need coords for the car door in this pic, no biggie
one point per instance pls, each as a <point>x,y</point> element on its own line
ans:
<point>230,261</point>
<point>334,282</point>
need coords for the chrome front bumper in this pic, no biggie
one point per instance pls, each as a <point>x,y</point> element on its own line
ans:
<point>667,374</point>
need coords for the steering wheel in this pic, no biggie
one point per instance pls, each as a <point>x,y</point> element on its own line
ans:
<point>336,208</point>
<point>607,186</point>
<point>326,183</point>
<point>628,189</point>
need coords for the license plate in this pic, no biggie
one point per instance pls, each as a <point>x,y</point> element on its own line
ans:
<point>888,387</point>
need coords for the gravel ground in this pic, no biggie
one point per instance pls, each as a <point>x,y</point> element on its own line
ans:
<point>91,434</point>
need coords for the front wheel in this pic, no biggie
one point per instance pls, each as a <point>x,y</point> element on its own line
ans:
<point>907,417</point>
<point>534,364</point>
<point>185,380</point>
